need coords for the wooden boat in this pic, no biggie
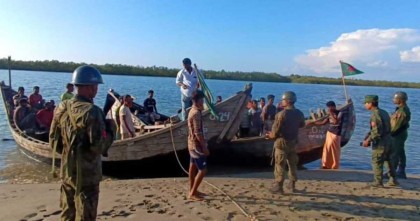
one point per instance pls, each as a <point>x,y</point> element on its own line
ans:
<point>147,145</point>
<point>311,140</point>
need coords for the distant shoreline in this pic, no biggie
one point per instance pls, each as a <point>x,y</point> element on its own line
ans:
<point>129,70</point>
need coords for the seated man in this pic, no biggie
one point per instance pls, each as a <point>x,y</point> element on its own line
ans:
<point>150,106</point>
<point>22,114</point>
<point>127,129</point>
<point>44,116</point>
<point>18,96</point>
<point>35,99</point>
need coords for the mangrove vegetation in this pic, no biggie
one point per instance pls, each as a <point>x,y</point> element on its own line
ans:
<point>154,71</point>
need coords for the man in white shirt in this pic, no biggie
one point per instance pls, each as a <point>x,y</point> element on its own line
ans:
<point>127,129</point>
<point>187,80</point>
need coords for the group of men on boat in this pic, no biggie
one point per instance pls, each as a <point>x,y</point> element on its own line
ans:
<point>259,117</point>
<point>123,114</point>
<point>32,114</point>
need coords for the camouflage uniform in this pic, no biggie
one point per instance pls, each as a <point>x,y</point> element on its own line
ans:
<point>380,138</point>
<point>285,130</point>
<point>399,125</point>
<point>79,126</point>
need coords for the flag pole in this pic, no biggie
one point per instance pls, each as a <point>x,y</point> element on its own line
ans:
<point>345,88</point>
<point>9,63</point>
<point>344,83</point>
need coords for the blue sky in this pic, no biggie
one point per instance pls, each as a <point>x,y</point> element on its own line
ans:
<point>381,38</point>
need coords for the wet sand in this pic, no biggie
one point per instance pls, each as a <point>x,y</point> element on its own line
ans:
<point>322,195</point>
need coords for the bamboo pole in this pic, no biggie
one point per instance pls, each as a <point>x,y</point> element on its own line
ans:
<point>345,88</point>
<point>344,83</point>
<point>9,59</point>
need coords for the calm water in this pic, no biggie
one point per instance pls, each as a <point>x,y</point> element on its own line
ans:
<point>168,99</point>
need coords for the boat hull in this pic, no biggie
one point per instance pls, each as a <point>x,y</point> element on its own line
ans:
<point>159,142</point>
<point>309,148</point>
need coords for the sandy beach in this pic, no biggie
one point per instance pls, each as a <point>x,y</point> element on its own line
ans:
<point>322,195</point>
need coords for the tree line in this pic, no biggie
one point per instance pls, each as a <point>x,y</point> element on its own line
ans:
<point>120,69</point>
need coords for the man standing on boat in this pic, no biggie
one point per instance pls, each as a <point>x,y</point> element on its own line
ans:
<point>332,146</point>
<point>127,129</point>
<point>79,131</point>
<point>187,80</point>
<point>197,146</point>
<point>380,140</point>
<point>69,92</point>
<point>150,106</point>
<point>268,114</point>
<point>285,131</point>
<point>400,122</point>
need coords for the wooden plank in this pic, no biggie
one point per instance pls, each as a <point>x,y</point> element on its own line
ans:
<point>225,130</point>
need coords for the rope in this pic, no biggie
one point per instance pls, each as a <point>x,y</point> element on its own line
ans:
<point>208,183</point>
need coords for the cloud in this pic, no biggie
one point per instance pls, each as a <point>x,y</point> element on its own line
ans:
<point>379,52</point>
<point>412,55</point>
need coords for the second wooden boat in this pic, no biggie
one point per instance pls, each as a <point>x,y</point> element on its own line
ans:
<point>310,142</point>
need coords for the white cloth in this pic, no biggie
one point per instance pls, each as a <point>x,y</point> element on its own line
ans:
<point>127,125</point>
<point>191,80</point>
<point>114,109</point>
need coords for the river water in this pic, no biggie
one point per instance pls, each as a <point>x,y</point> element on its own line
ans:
<point>13,164</point>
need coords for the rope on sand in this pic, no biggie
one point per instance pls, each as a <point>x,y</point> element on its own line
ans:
<point>208,183</point>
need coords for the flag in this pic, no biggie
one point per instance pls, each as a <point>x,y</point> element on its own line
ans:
<point>208,95</point>
<point>348,69</point>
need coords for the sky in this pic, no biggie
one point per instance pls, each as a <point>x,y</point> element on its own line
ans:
<point>381,38</point>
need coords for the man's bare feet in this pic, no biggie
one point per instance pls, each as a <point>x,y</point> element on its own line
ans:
<point>198,193</point>
<point>195,198</point>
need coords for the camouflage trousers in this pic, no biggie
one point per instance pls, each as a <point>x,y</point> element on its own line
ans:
<point>379,158</point>
<point>81,207</point>
<point>285,153</point>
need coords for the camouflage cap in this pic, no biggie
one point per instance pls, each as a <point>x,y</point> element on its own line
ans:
<point>371,98</point>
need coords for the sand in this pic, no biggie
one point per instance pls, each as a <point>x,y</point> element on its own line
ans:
<point>322,195</point>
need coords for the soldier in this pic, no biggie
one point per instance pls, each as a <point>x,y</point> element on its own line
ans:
<point>80,133</point>
<point>380,139</point>
<point>399,124</point>
<point>285,131</point>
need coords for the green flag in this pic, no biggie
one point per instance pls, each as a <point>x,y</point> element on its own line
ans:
<point>208,95</point>
<point>349,70</point>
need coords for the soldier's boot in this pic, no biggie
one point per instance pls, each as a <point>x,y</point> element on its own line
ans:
<point>393,182</point>
<point>401,173</point>
<point>376,185</point>
<point>277,188</point>
<point>292,186</point>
